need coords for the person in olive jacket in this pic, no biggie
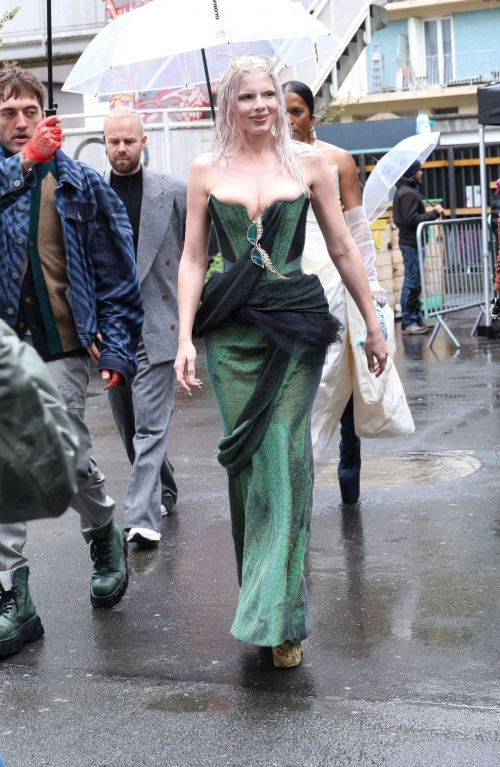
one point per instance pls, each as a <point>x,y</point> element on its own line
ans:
<point>409,212</point>
<point>38,442</point>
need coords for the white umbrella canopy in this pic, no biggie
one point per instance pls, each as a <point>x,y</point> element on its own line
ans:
<point>159,45</point>
<point>380,187</point>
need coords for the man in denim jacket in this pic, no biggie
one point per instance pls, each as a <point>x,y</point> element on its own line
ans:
<point>67,278</point>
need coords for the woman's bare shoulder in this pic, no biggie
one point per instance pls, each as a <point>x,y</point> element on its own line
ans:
<point>203,172</point>
<point>334,154</point>
<point>310,157</point>
<point>203,162</point>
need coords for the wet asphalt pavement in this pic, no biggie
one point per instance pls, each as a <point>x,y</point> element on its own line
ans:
<point>402,669</point>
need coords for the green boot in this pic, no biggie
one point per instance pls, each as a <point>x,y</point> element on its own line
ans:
<point>110,574</point>
<point>19,622</point>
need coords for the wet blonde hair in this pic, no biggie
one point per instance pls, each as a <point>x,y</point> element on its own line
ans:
<point>228,134</point>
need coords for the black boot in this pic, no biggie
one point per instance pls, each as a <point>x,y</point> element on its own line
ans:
<point>349,468</point>
<point>19,622</point>
<point>110,573</point>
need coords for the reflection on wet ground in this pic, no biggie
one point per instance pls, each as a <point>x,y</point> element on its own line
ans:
<point>415,347</point>
<point>408,469</point>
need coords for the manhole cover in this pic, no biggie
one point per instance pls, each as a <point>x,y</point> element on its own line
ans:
<point>407,469</point>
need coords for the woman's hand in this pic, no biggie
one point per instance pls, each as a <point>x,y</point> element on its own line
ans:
<point>184,366</point>
<point>376,352</point>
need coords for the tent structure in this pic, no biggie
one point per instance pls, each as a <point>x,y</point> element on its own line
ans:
<point>488,98</point>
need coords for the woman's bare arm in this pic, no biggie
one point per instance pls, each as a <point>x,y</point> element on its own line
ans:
<point>345,255</point>
<point>350,190</point>
<point>192,271</point>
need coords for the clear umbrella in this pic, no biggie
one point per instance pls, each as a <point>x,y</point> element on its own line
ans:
<point>380,187</point>
<point>167,43</point>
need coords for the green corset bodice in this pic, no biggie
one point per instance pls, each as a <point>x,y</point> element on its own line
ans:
<point>278,234</point>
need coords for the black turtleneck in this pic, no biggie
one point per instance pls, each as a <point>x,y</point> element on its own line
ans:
<point>129,190</point>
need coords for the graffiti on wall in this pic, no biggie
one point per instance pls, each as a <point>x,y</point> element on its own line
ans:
<point>180,98</point>
<point>115,8</point>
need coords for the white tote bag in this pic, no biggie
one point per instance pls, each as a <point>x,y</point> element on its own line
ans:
<point>380,406</point>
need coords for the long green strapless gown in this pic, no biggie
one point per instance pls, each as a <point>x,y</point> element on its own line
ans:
<point>270,487</point>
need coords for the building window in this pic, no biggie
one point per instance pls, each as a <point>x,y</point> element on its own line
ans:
<point>445,111</point>
<point>438,51</point>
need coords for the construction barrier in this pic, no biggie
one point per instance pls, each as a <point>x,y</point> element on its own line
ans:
<point>453,273</point>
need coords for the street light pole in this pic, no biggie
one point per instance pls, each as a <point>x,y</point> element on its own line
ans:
<point>52,109</point>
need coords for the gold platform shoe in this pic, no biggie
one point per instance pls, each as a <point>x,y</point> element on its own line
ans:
<point>287,655</point>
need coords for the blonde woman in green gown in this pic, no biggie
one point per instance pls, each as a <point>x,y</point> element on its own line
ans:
<point>267,329</point>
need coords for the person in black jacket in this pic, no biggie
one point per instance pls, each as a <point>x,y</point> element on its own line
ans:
<point>495,210</point>
<point>409,212</point>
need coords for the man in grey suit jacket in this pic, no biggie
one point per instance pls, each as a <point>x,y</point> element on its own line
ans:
<point>156,205</point>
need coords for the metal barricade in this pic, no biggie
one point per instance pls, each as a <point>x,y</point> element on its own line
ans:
<point>452,270</point>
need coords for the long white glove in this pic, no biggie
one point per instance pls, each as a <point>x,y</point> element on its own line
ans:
<point>359,228</point>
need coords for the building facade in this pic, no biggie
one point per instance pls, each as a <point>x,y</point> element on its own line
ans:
<point>183,135</point>
<point>74,25</point>
<point>431,57</point>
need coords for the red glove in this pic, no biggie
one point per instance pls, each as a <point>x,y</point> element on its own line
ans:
<point>113,377</point>
<point>45,141</point>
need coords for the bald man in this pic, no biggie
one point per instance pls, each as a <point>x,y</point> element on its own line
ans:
<point>156,207</point>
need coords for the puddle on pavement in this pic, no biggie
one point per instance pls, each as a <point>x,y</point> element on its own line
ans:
<point>444,636</point>
<point>407,469</point>
<point>189,703</point>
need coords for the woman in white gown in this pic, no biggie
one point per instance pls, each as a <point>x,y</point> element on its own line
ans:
<point>340,397</point>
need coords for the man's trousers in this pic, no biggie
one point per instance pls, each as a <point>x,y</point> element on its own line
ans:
<point>142,412</point>
<point>96,509</point>
<point>410,293</point>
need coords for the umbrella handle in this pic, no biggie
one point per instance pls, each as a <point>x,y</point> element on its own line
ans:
<point>209,86</point>
<point>52,110</point>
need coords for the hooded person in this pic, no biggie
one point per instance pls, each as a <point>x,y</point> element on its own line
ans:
<point>495,210</point>
<point>409,212</point>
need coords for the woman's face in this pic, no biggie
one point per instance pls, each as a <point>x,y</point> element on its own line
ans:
<point>257,103</point>
<point>299,116</point>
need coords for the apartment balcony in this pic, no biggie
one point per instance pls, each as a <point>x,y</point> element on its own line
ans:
<point>446,71</point>
<point>424,9</point>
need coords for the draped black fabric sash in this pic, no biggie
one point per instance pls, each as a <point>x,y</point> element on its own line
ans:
<point>294,316</point>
